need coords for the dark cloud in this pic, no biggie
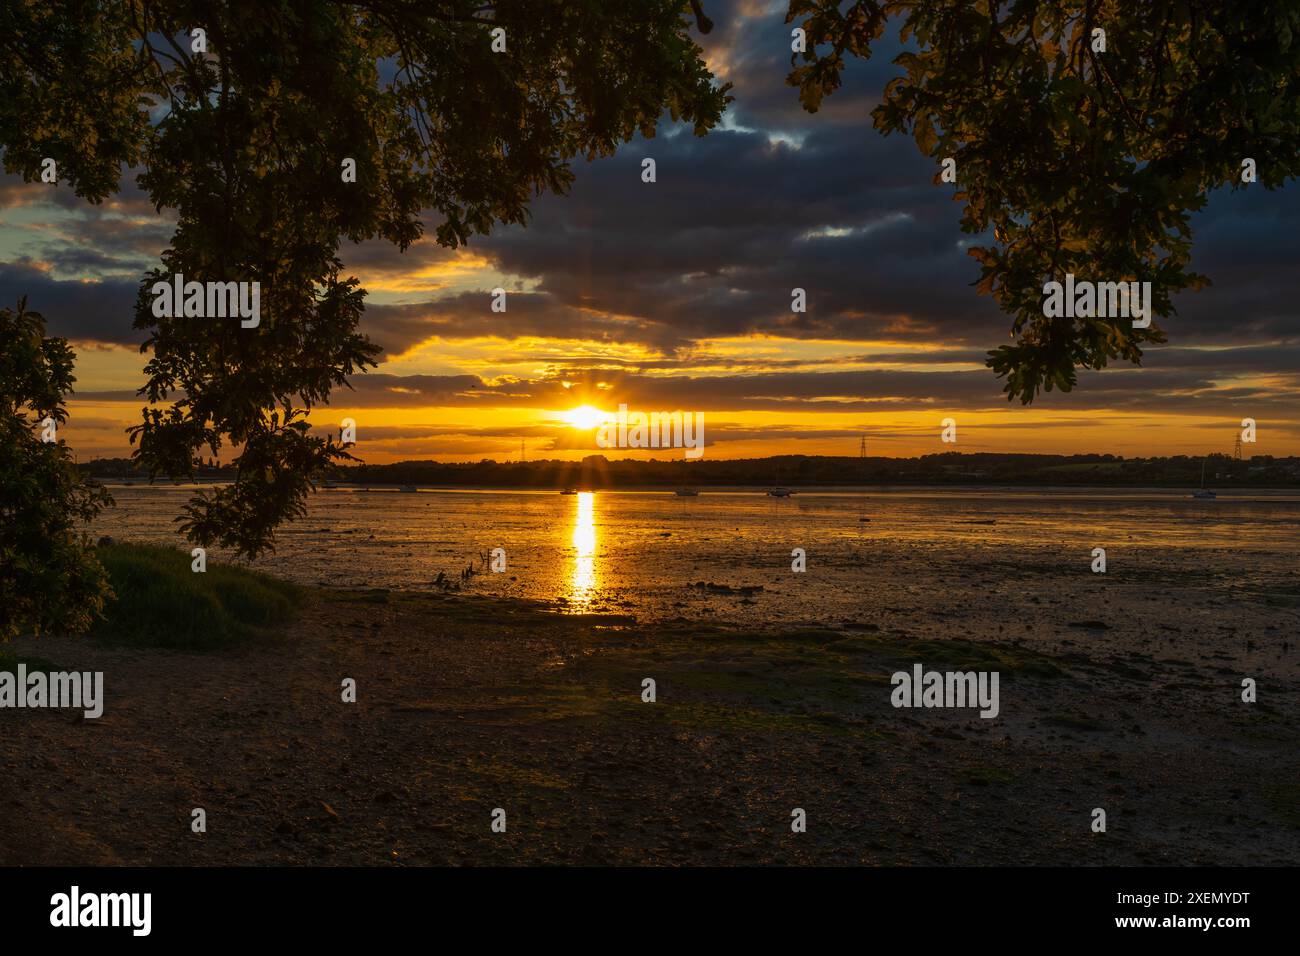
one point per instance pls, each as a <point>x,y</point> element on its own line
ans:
<point>716,246</point>
<point>469,315</point>
<point>99,311</point>
<point>129,198</point>
<point>750,47</point>
<point>777,200</point>
<point>1187,391</point>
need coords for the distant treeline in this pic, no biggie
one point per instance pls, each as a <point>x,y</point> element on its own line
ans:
<point>952,468</point>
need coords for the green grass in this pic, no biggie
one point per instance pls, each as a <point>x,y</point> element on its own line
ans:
<point>160,602</point>
<point>369,596</point>
<point>9,661</point>
<point>1284,798</point>
<point>1009,660</point>
<point>807,681</point>
<point>982,775</point>
<point>1075,722</point>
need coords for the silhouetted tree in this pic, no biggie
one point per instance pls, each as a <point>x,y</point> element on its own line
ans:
<point>1078,160</point>
<point>49,576</point>
<point>243,131</point>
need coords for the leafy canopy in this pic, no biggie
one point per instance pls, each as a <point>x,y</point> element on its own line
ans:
<point>49,576</point>
<point>1079,161</point>
<point>246,142</point>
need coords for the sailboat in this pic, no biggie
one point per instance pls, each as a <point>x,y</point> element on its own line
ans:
<point>1203,492</point>
<point>686,493</point>
<point>778,491</point>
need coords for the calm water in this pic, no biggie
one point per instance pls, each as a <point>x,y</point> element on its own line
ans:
<point>647,552</point>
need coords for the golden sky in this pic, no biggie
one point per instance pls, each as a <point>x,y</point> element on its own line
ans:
<point>676,295</point>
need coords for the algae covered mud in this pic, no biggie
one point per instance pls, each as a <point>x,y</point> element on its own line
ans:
<point>467,705</point>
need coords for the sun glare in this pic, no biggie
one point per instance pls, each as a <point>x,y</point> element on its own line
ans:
<point>584,417</point>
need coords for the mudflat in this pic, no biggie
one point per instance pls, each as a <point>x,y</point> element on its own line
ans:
<point>469,703</point>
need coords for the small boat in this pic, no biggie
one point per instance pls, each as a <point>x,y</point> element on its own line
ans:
<point>1203,492</point>
<point>408,487</point>
<point>780,492</point>
<point>686,493</point>
<point>569,491</point>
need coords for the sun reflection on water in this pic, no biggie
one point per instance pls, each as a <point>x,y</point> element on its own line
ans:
<point>582,584</point>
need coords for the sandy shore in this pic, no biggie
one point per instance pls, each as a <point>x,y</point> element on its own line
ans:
<point>468,703</point>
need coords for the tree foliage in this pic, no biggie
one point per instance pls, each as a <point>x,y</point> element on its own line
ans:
<point>49,576</point>
<point>1078,161</point>
<point>246,141</point>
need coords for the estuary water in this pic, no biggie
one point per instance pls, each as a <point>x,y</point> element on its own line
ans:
<point>727,555</point>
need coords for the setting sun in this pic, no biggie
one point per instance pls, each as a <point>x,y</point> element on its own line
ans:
<point>585,416</point>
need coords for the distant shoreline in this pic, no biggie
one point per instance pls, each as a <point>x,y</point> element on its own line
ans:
<point>376,487</point>
<point>946,470</point>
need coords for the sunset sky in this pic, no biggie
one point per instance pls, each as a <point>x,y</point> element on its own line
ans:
<point>676,295</point>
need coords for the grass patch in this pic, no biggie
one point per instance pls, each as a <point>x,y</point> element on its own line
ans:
<point>160,602</point>
<point>963,655</point>
<point>1071,722</point>
<point>811,635</point>
<point>716,717</point>
<point>984,776</point>
<point>803,682</point>
<point>807,680</point>
<point>525,708</point>
<point>9,661</point>
<point>1284,798</point>
<point>1264,724</point>
<point>497,772</point>
<point>368,596</point>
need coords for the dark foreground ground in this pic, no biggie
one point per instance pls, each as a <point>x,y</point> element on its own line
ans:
<point>466,704</point>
